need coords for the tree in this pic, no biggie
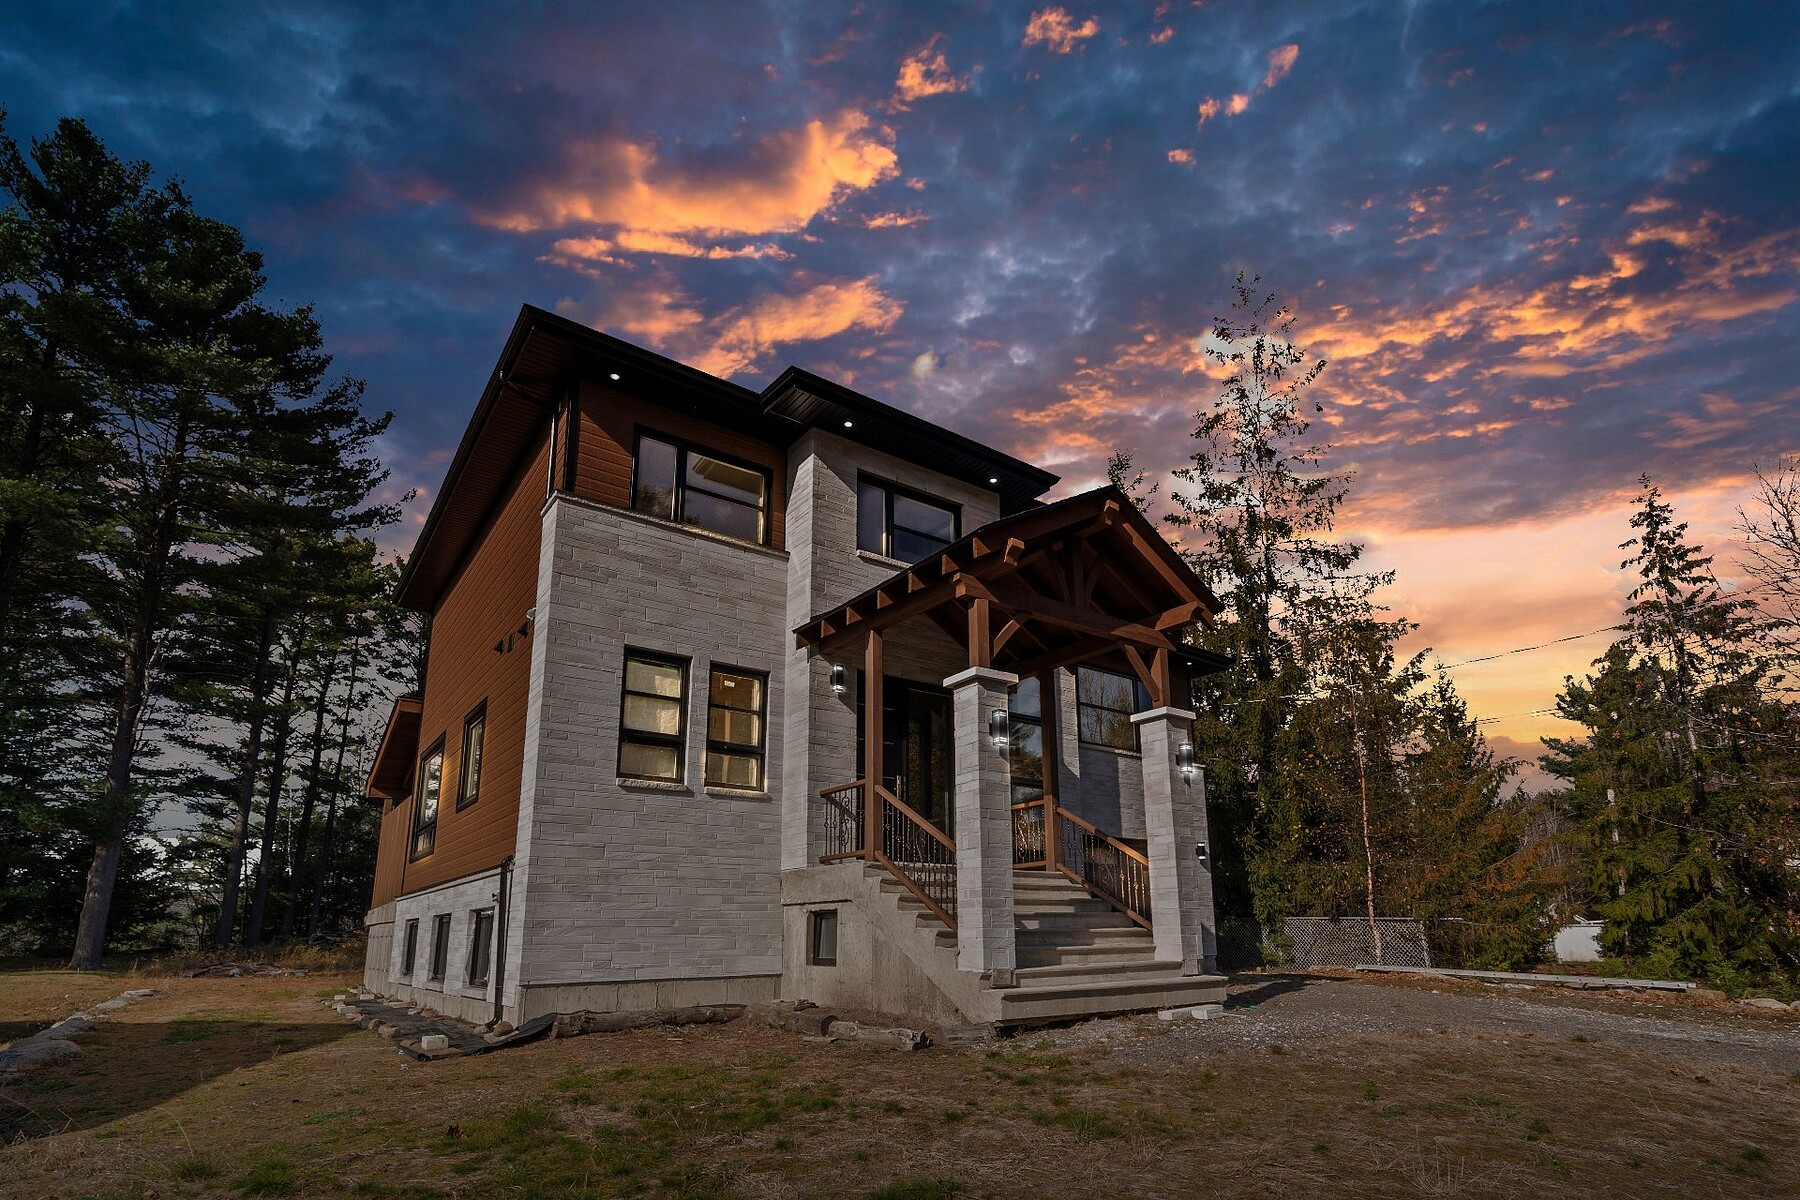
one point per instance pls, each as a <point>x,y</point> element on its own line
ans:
<point>1682,797</point>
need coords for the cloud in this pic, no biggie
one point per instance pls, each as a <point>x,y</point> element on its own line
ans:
<point>924,73</point>
<point>568,251</point>
<point>1281,61</point>
<point>1182,156</point>
<point>745,335</point>
<point>640,202</point>
<point>1055,30</point>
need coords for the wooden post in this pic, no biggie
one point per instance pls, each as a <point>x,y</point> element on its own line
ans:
<point>981,638</point>
<point>1159,680</point>
<point>872,734</point>
<point>1049,717</point>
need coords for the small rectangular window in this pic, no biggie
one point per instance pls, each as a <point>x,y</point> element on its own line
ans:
<point>734,729</point>
<point>425,813</point>
<point>821,937</point>
<point>683,483</point>
<point>409,951</point>
<point>1025,742</point>
<point>652,717</point>
<point>468,785</point>
<point>1105,702</point>
<point>481,940</point>
<point>440,945</point>
<point>900,524</point>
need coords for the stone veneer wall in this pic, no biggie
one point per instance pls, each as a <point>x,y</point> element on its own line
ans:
<point>452,994</point>
<point>629,892</point>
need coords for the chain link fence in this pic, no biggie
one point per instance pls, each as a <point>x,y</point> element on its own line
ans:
<point>1350,942</point>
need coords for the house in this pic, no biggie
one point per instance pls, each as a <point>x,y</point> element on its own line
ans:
<point>734,696</point>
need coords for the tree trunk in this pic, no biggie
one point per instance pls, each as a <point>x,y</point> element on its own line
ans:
<point>303,825</point>
<point>1362,772</point>
<point>234,862</point>
<point>331,802</point>
<point>265,862</point>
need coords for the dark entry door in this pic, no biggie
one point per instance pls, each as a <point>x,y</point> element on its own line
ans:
<point>916,748</point>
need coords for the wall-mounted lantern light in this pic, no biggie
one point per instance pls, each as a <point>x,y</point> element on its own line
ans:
<point>837,678</point>
<point>999,724</point>
<point>1184,758</point>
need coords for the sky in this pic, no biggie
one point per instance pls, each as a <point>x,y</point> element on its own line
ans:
<point>1544,248</point>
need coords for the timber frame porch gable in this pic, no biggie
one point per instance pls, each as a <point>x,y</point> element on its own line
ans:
<point>1081,579</point>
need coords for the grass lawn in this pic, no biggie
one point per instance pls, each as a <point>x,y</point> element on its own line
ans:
<point>248,1087</point>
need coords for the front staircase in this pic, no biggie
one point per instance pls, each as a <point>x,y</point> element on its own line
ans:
<point>1077,956</point>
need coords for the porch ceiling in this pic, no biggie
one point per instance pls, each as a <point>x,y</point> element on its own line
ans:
<point>391,777</point>
<point>1082,580</point>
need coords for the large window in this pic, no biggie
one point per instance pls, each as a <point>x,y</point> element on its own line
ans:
<point>901,524</point>
<point>652,717</point>
<point>734,729</point>
<point>1105,701</point>
<point>683,483</point>
<point>1025,741</point>
<point>410,948</point>
<point>468,786</point>
<point>440,945</point>
<point>425,811</point>
<point>481,939</point>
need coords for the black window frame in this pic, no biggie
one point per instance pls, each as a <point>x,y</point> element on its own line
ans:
<point>440,949</point>
<point>465,794</point>
<point>409,948</point>
<point>1139,696</point>
<point>817,920</point>
<point>678,505</point>
<point>889,490</point>
<point>423,830</point>
<point>719,745</point>
<point>481,949</point>
<point>678,740</point>
<point>1017,718</point>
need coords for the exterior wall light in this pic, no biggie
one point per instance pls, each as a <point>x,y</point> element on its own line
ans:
<point>999,724</point>
<point>837,678</point>
<point>1184,758</point>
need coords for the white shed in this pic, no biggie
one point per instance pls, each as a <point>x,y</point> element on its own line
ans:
<point>1578,941</point>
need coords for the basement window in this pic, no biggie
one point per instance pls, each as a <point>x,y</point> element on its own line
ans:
<point>481,943</point>
<point>440,946</point>
<point>821,937</point>
<point>409,953</point>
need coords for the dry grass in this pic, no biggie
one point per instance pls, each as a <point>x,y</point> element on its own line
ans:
<point>35,994</point>
<point>232,1087</point>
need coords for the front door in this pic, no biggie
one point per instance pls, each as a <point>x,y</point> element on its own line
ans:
<point>916,748</point>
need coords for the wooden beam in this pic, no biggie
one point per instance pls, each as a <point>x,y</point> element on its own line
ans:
<point>1005,635</point>
<point>1181,614</point>
<point>1087,621</point>
<point>828,637</point>
<point>1050,718</point>
<point>981,642</point>
<point>1070,652</point>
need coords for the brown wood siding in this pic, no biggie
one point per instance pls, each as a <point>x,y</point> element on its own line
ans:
<point>607,433</point>
<point>391,854</point>
<point>484,605</point>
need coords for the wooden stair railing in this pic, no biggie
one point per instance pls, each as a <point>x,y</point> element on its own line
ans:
<point>1028,826</point>
<point>914,851</point>
<point>1108,868</point>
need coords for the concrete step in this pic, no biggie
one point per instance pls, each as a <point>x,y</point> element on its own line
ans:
<point>1067,973</point>
<point>1061,1000</point>
<point>1055,956</point>
<point>1105,919</point>
<point>1111,935</point>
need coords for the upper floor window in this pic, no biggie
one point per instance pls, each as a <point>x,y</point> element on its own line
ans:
<point>425,811</point>
<point>900,524</point>
<point>684,483</point>
<point>468,787</point>
<point>1105,701</point>
<point>734,729</point>
<point>652,717</point>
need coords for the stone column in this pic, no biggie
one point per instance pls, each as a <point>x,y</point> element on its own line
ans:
<point>983,803</point>
<point>1181,898</point>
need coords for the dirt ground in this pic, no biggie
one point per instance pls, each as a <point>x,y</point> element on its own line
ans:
<point>1337,1087</point>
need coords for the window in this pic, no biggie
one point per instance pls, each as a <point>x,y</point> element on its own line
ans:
<point>1105,701</point>
<point>821,937</point>
<point>1025,741</point>
<point>481,939</point>
<point>902,524</point>
<point>734,729</point>
<point>425,812</point>
<point>409,953</point>
<point>652,717</point>
<point>682,483</point>
<point>440,944</point>
<point>468,784</point>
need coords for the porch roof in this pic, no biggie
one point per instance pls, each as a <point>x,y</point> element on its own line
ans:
<point>1085,579</point>
<point>391,776</point>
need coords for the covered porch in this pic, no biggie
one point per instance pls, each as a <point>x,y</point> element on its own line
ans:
<point>1086,582</point>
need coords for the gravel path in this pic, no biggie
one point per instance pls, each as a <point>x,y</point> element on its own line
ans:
<point>1294,1010</point>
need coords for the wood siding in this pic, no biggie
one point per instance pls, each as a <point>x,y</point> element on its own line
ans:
<point>390,855</point>
<point>484,606</point>
<point>607,434</point>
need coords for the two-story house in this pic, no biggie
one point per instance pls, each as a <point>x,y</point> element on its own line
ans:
<point>733,696</point>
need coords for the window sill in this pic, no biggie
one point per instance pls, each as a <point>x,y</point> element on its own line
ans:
<point>731,793</point>
<point>1112,750</point>
<point>653,785</point>
<point>882,560</point>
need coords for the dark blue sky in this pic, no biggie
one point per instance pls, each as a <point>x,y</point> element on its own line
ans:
<point>1546,246</point>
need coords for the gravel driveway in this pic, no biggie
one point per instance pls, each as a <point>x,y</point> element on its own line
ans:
<point>1293,1011</point>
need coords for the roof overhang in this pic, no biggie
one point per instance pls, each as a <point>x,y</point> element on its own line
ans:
<point>1080,580</point>
<point>391,777</point>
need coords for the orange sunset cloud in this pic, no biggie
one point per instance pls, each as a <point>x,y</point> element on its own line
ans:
<point>1055,30</point>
